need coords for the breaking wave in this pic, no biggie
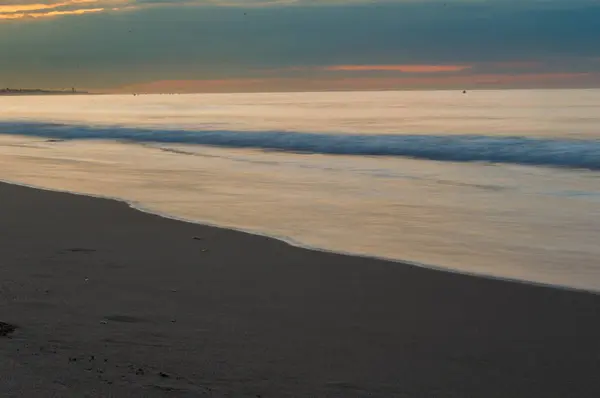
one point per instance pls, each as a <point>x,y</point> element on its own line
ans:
<point>553,152</point>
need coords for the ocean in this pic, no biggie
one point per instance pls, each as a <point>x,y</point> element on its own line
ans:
<point>498,183</point>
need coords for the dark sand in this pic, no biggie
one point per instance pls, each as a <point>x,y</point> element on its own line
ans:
<point>106,298</point>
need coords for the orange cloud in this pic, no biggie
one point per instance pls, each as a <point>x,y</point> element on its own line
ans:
<point>69,12</point>
<point>38,7</point>
<point>399,68</point>
<point>51,13</point>
<point>68,7</point>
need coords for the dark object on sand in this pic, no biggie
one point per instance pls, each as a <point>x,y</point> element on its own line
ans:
<point>464,91</point>
<point>81,250</point>
<point>6,329</point>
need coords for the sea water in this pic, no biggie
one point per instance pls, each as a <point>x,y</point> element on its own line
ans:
<point>497,183</point>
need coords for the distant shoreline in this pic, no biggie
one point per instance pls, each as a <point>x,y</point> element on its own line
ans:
<point>124,93</point>
<point>12,92</point>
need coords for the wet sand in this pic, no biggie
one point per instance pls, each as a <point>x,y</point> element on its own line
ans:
<point>110,301</point>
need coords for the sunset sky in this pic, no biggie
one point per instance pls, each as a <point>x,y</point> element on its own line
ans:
<point>261,45</point>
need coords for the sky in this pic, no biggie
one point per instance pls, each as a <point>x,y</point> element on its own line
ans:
<point>298,45</point>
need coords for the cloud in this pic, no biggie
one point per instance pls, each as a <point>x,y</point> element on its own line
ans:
<point>50,13</point>
<point>37,6</point>
<point>35,9</point>
<point>399,68</point>
<point>13,10</point>
<point>23,9</point>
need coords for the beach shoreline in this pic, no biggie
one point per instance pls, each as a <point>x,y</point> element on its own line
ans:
<point>290,241</point>
<point>111,301</point>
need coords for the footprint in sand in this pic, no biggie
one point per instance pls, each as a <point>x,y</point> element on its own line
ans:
<point>6,329</point>
<point>80,250</point>
<point>124,318</point>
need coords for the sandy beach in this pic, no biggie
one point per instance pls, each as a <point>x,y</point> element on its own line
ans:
<point>109,301</point>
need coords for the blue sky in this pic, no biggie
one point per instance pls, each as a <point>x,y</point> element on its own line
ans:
<point>204,45</point>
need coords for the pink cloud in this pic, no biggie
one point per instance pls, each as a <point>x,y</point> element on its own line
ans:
<point>408,68</point>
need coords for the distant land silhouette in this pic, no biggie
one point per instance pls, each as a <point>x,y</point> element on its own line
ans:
<point>38,91</point>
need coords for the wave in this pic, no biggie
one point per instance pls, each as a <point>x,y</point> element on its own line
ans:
<point>568,153</point>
